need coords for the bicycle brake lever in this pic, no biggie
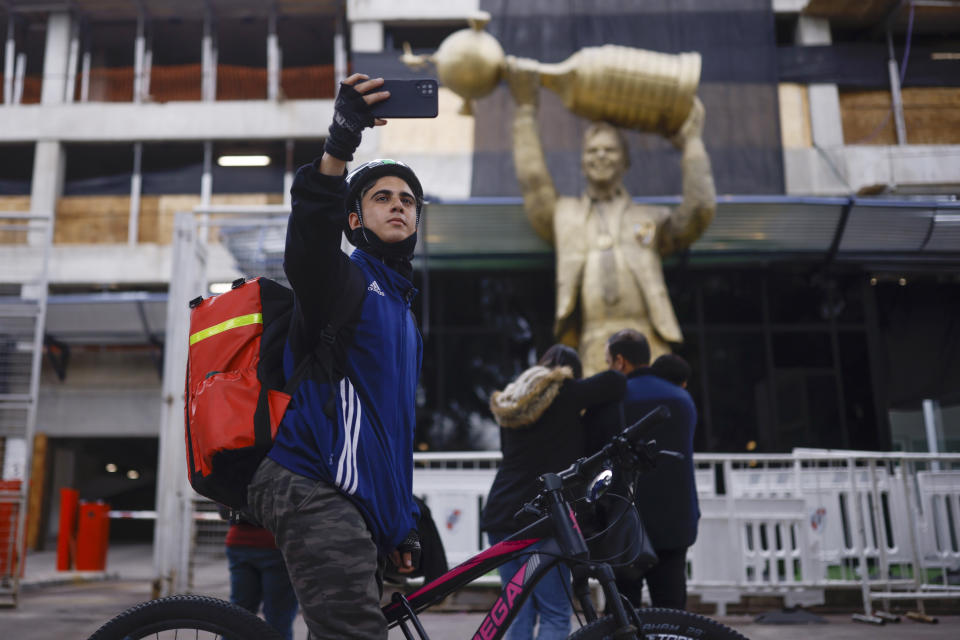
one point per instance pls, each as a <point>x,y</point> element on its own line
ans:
<point>530,508</point>
<point>672,454</point>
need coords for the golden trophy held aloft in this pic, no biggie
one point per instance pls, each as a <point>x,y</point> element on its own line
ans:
<point>609,248</point>
<point>625,86</point>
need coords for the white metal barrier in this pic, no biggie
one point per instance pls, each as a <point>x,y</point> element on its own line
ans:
<point>791,525</point>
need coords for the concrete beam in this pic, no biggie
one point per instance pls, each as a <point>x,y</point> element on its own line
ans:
<point>391,10</point>
<point>123,122</point>
<point>789,6</point>
<point>367,36</point>
<point>846,170</point>
<point>120,264</point>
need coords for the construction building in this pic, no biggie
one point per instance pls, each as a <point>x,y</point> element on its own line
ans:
<point>821,308</point>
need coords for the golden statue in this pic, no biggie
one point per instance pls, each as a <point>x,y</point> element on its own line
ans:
<point>609,274</point>
<point>609,249</point>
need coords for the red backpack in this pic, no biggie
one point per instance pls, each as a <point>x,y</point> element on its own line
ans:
<point>236,393</point>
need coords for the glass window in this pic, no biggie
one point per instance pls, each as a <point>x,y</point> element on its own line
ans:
<point>485,327</point>
<point>17,163</point>
<point>171,168</point>
<point>738,388</point>
<point>98,169</point>
<point>732,298</point>
<point>858,404</point>
<point>801,349</point>
<point>682,286</point>
<point>794,299</point>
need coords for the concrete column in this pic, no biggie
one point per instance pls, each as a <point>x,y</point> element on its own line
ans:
<point>826,124</point>
<point>208,62</point>
<point>339,57</point>
<point>896,99</point>
<point>206,187</point>
<point>85,76</point>
<point>136,181</point>
<point>72,62</point>
<point>46,187</point>
<point>56,55</point>
<point>10,52</point>
<point>273,58</point>
<point>147,67</point>
<point>139,52</point>
<point>18,77</point>
<point>288,171</point>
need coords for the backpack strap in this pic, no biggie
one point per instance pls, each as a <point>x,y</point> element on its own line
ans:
<point>342,312</point>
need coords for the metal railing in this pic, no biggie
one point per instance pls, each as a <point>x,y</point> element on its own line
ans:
<point>25,239</point>
<point>792,525</point>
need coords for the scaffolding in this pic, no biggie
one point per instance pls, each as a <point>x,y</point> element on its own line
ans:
<point>25,239</point>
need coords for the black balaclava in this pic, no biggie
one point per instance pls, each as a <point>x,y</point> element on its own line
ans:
<point>396,255</point>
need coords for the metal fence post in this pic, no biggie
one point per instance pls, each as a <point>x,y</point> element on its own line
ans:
<point>174,495</point>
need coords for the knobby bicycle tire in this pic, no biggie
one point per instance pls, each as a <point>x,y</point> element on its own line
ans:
<point>186,613</point>
<point>660,624</point>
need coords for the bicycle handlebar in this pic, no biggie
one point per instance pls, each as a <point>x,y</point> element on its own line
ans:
<point>628,439</point>
<point>622,446</point>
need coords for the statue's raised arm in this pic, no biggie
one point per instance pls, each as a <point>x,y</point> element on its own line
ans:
<point>689,220</point>
<point>539,193</point>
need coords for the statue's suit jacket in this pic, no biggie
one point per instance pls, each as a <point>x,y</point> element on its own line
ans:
<point>639,237</point>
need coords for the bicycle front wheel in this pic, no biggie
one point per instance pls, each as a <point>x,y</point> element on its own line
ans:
<point>176,616</point>
<point>661,623</point>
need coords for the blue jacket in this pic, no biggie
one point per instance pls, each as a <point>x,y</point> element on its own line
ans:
<point>366,449</point>
<point>667,496</point>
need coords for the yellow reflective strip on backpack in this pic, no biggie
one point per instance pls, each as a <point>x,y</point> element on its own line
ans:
<point>226,325</point>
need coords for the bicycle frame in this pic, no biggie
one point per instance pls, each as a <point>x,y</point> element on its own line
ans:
<point>564,544</point>
<point>540,562</point>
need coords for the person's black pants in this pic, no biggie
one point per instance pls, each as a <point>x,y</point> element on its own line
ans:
<point>666,580</point>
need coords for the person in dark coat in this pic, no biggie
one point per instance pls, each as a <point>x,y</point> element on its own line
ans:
<point>667,496</point>
<point>541,432</point>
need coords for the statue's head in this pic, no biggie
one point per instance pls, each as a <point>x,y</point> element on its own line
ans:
<point>605,154</point>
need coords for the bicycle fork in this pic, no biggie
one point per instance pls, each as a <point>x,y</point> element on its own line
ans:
<point>572,543</point>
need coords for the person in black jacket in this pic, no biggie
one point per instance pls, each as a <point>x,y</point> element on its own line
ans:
<point>336,489</point>
<point>540,432</point>
<point>667,496</point>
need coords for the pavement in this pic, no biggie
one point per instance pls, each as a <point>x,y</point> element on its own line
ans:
<point>74,604</point>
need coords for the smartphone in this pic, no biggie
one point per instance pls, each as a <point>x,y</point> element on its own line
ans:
<point>408,99</point>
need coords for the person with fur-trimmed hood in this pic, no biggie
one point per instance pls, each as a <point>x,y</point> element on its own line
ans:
<point>540,432</point>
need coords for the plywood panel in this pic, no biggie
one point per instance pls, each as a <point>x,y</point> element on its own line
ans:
<point>91,219</point>
<point>931,116</point>
<point>104,219</point>
<point>12,231</point>
<point>167,208</point>
<point>794,116</point>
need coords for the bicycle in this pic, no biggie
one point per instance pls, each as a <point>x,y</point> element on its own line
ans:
<point>557,533</point>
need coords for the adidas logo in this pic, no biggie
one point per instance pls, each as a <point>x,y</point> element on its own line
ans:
<point>375,288</point>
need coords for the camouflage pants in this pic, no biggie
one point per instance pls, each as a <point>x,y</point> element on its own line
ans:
<point>328,550</point>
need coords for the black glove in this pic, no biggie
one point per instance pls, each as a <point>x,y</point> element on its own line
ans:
<point>351,115</point>
<point>411,544</point>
